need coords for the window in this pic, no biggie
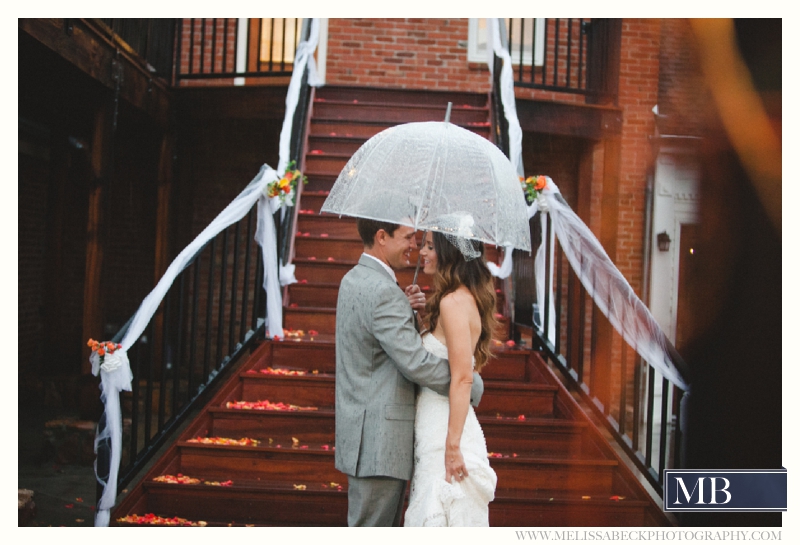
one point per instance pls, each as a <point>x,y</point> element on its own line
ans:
<point>528,29</point>
<point>279,38</point>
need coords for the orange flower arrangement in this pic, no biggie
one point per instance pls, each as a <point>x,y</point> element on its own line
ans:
<point>533,186</point>
<point>103,348</point>
<point>284,188</point>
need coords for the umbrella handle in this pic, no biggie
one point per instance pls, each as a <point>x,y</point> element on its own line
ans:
<point>419,260</point>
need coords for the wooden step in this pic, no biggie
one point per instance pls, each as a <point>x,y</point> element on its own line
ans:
<point>325,144</point>
<point>332,272</point>
<point>314,295</point>
<point>333,226</point>
<point>340,248</point>
<point>312,426</point>
<point>311,463</point>
<point>334,110</point>
<point>304,355</point>
<point>326,295</point>
<point>402,96</point>
<point>506,365</point>
<point>556,508</point>
<point>539,436</point>
<point>319,319</point>
<point>526,473</point>
<point>368,129</point>
<point>308,390</point>
<point>335,128</point>
<point>271,503</point>
<point>325,272</point>
<point>329,163</point>
<point>514,399</point>
<point>278,504</point>
<point>319,181</point>
<point>313,200</point>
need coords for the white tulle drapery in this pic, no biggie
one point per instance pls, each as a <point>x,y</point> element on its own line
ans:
<point>303,57</point>
<point>504,270</point>
<point>604,283</point>
<point>506,93</point>
<point>115,371</point>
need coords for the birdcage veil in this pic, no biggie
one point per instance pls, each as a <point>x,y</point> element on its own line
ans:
<point>457,228</point>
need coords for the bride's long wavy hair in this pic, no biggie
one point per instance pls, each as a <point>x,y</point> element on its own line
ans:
<point>452,271</point>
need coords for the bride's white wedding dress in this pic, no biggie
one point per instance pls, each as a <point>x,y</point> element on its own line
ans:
<point>434,501</point>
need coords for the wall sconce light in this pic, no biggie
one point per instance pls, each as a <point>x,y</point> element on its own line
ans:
<point>663,241</point>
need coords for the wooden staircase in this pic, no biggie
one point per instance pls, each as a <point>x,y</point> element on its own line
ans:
<point>554,467</point>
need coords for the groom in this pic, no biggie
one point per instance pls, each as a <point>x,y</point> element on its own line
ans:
<point>379,358</point>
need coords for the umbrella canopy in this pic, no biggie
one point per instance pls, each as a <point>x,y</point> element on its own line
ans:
<point>424,174</point>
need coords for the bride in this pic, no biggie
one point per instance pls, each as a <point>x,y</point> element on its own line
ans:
<point>453,483</point>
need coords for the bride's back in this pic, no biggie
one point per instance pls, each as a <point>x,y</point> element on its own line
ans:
<point>460,303</point>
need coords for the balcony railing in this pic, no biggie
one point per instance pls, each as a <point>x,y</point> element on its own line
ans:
<point>221,49</point>
<point>152,39</point>
<point>566,55</point>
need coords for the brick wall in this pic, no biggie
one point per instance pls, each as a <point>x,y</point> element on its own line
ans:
<point>403,53</point>
<point>208,45</point>
<point>682,98</point>
<point>638,93</point>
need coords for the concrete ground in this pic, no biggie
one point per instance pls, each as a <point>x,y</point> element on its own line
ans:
<point>64,493</point>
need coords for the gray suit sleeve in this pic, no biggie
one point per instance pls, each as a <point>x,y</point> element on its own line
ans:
<point>393,327</point>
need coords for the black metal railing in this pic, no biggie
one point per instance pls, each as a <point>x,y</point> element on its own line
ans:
<point>208,319</point>
<point>152,39</point>
<point>639,407</point>
<point>286,228</point>
<point>499,121</point>
<point>236,48</point>
<point>565,55</point>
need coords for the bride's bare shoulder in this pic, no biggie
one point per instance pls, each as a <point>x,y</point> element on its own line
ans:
<point>457,301</point>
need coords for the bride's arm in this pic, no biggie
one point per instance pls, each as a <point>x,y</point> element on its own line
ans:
<point>454,321</point>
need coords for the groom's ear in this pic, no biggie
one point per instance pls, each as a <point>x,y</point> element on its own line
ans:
<point>380,237</point>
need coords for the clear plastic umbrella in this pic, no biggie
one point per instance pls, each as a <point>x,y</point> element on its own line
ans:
<point>425,174</point>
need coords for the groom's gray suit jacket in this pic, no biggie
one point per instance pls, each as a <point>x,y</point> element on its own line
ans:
<point>379,357</point>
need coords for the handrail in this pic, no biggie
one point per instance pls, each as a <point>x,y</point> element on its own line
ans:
<point>296,144</point>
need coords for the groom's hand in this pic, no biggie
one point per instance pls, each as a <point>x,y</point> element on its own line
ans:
<point>415,297</point>
<point>476,393</point>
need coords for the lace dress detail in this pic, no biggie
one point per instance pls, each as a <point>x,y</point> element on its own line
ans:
<point>434,501</point>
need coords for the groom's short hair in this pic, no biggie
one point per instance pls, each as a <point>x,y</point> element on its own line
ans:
<point>367,229</point>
